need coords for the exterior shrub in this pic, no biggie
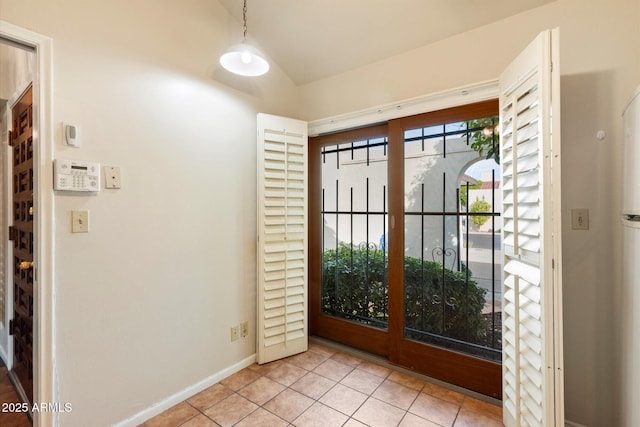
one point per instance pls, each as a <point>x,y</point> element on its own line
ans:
<point>461,318</point>
<point>355,287</point>
<point>480,206</point>
<point>361,277</point>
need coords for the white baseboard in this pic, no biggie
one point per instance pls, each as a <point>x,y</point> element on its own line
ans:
<point>184,394</point>
<point>568,423</point>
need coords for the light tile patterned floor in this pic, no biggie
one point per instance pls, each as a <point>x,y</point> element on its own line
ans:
<point>324,387</point>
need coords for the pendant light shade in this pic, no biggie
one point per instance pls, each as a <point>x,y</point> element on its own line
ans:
<point>244,59</point>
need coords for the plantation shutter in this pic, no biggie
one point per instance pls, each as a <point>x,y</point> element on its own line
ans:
<point>282,238</point>
<point>532,312</point>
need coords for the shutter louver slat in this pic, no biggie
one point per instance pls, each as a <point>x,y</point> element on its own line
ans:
<point>282,226</point>
<point>528,335</point>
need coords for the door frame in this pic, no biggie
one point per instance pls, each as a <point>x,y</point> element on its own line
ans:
<point>44,379</point>
<point>472,372</point>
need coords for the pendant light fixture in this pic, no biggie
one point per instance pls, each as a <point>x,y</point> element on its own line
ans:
<point>244,59</point>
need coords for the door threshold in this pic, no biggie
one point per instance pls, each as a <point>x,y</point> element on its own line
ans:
<point>381,361</point>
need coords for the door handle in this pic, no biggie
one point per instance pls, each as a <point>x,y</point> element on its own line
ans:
<point>25,265</point>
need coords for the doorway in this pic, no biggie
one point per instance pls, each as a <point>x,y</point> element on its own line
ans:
<point>18,210</point>
<point>23,238</point>
<point>30,63</point>
<point>390,266</point>
<point>532,349</point>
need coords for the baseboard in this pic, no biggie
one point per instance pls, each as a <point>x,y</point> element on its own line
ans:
<point>568,423</point>
<point>184,394</point>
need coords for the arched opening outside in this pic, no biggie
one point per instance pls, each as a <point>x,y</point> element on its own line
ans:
<point>480,228</point>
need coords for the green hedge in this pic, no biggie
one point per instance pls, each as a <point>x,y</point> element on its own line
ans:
<point>463,302</point>
<point>353,298</point>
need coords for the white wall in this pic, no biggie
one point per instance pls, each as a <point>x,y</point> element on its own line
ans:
<point>145,300</point>
<point>600,63</point>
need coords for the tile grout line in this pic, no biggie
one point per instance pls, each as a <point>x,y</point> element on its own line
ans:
<point>457,413</point>
<point>369,395</point>
<point>354,363</point>
<point>411,404</point>
<point>199,412</point>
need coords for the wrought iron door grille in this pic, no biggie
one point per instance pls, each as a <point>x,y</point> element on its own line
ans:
<point>445,303</point>
<point>354,217</point>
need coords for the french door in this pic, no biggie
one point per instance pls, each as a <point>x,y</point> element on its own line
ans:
<point>340,312</point>
<point>390,251</point>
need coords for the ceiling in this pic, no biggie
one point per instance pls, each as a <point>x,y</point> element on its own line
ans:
<point>314,39</point>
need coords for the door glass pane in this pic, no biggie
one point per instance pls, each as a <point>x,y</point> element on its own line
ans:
<point>354,217</point>
<point>452,260</point>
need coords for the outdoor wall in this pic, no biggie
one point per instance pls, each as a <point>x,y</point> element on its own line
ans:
<point>145,300</point>
<point>600,63</point>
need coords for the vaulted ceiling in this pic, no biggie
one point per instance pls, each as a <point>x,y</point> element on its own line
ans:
<point>314,39</point>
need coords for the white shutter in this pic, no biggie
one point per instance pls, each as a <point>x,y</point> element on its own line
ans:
<point>532,311</point>
<point>282,238</point>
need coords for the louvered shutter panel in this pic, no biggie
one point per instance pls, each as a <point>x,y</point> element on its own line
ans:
<point>532,334</point>
<point>282,238</point>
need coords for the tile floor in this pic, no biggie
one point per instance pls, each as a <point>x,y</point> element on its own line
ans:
<point>324,387</point>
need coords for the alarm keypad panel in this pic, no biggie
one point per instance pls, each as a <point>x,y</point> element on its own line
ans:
<point>75,175</point>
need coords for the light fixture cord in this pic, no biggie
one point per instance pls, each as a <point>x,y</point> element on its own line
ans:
<point>244,17</point>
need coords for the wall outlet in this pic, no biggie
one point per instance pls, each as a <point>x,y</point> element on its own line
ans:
<point>244,329</point>
<point>234,333</point>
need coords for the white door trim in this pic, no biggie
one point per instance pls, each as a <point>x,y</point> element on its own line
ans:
<point>44,380</point>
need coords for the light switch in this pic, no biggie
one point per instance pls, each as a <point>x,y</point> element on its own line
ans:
<point>79,221</point>
<point>579,219</point>
<point>112,177</point>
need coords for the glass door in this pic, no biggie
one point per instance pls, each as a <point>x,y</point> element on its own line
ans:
<point>450,234</point>
<point>351,225</point>
<point>405,238</point>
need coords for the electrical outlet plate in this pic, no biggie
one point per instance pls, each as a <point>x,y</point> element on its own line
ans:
<point>244,329</point>
<point>234,333</point>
